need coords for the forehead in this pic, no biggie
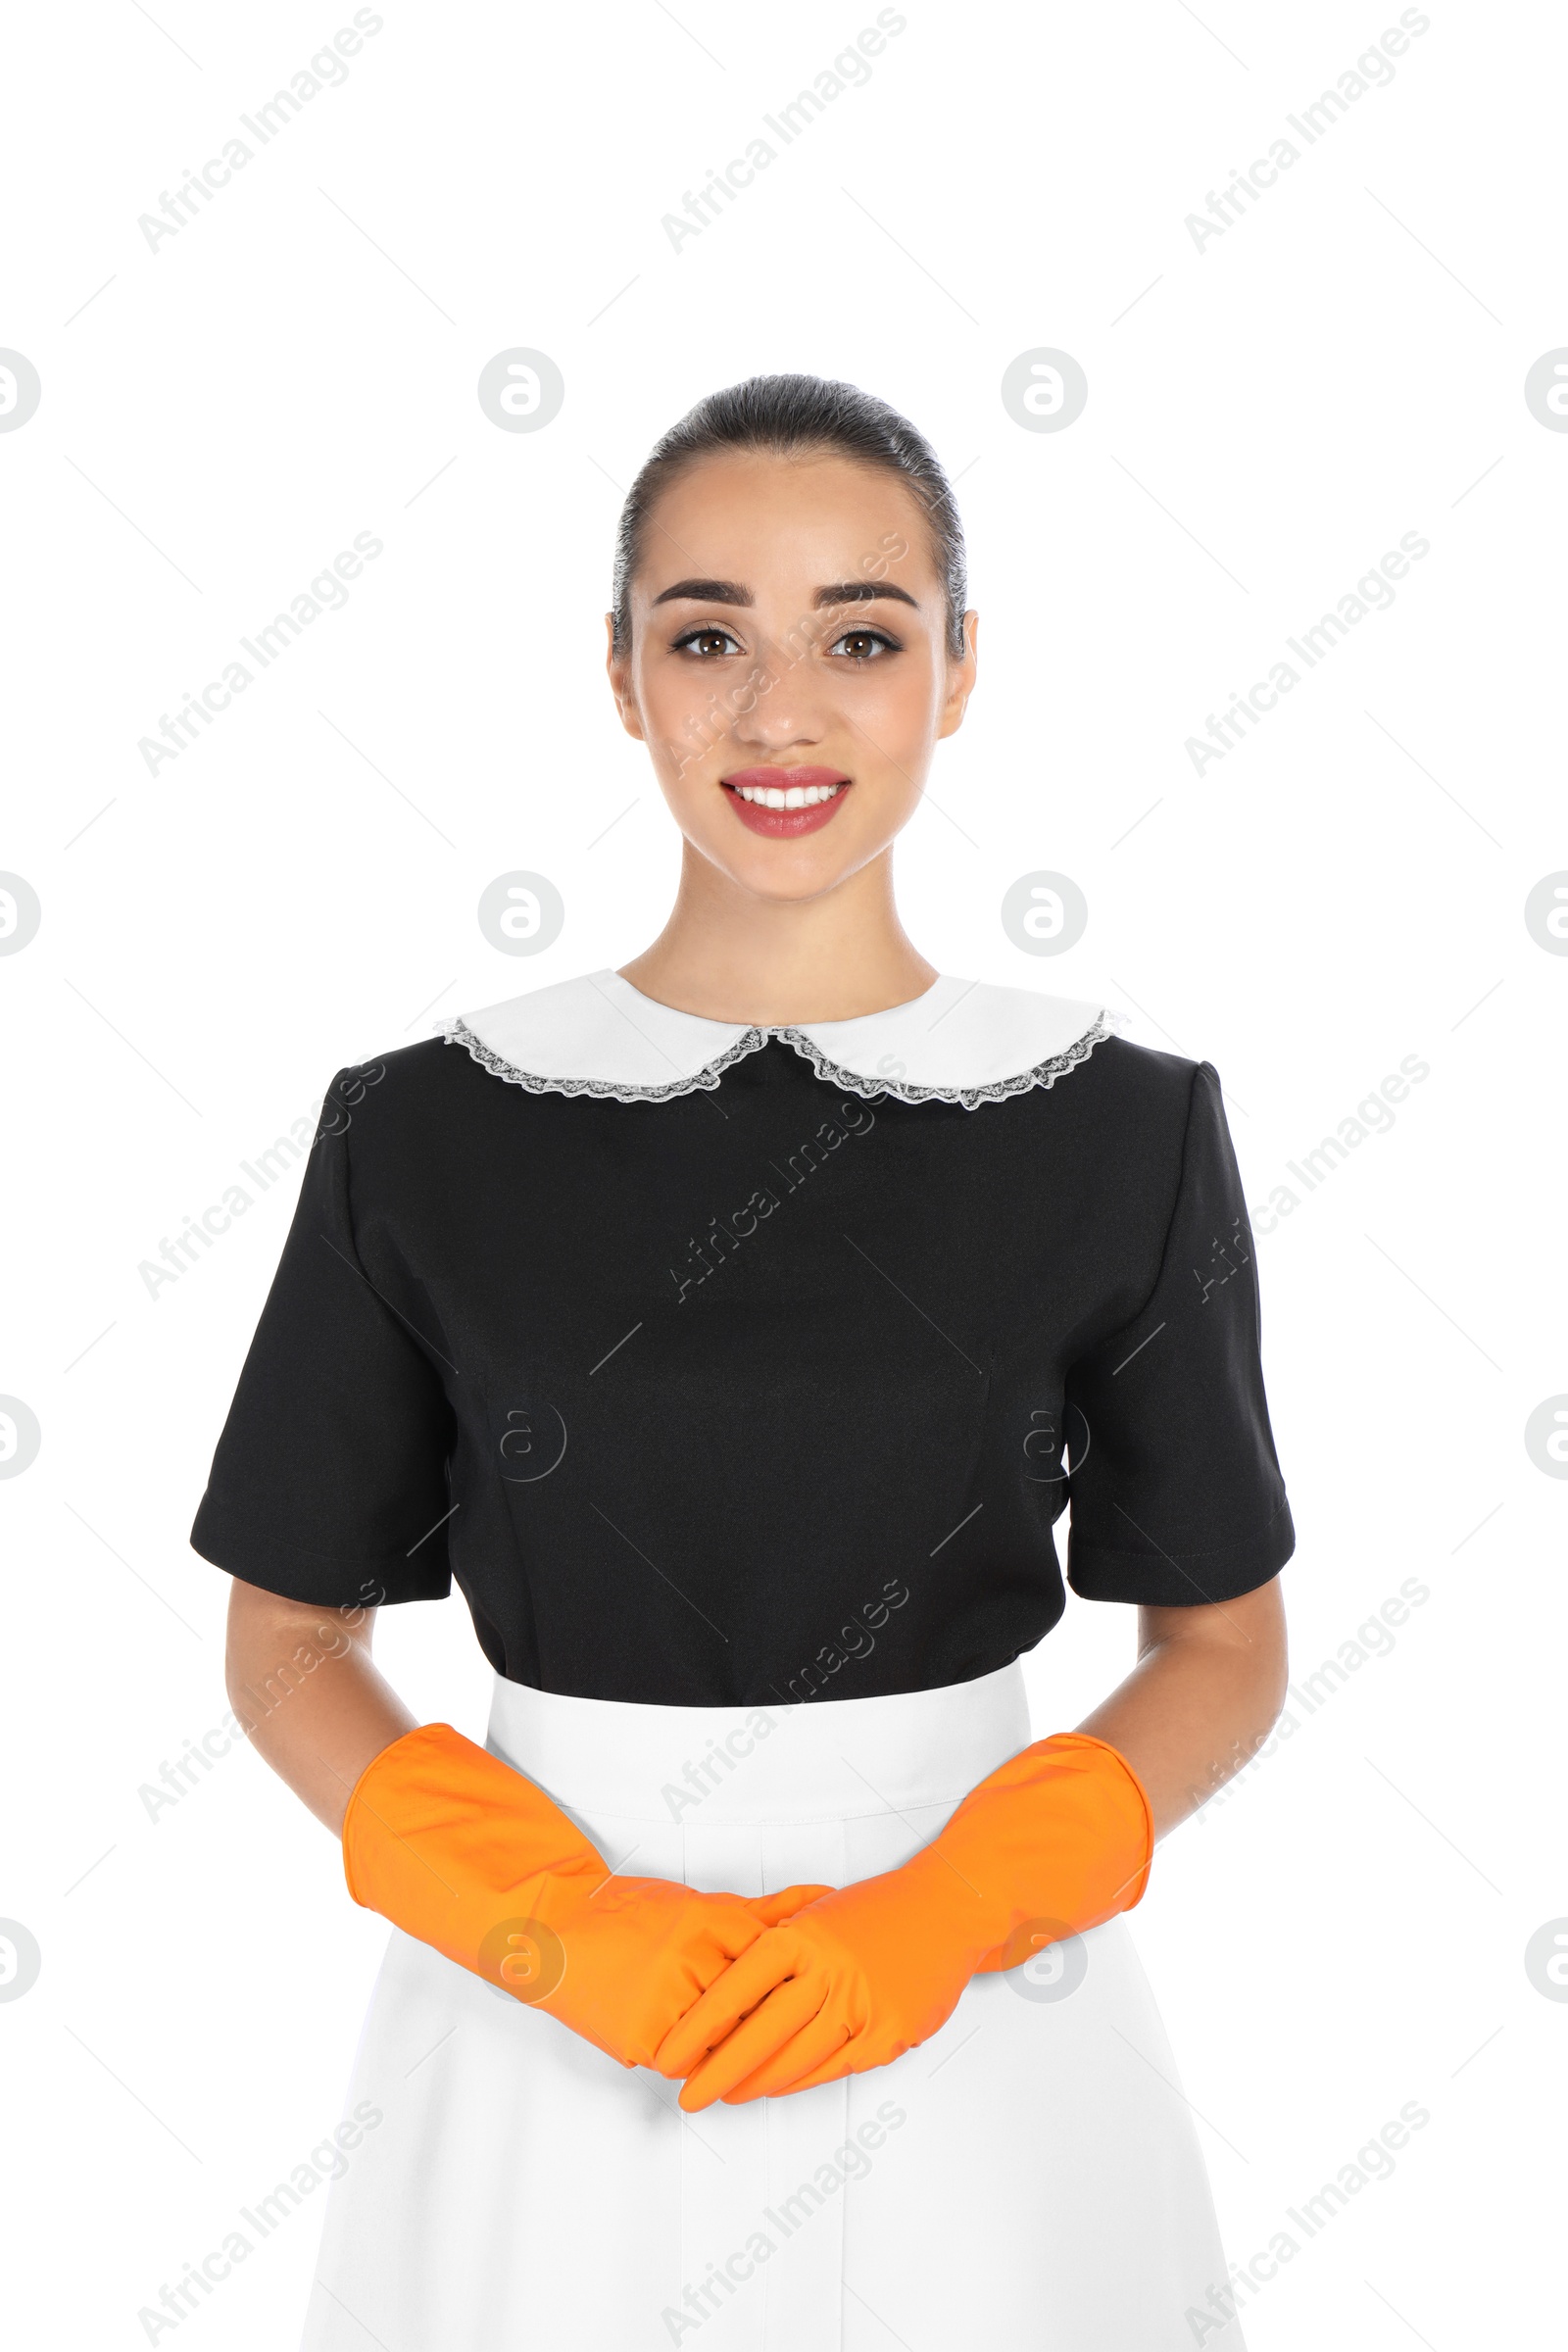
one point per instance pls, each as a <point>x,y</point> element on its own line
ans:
<point>751,517</point>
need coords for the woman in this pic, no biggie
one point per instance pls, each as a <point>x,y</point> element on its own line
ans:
<point>733,1327</point>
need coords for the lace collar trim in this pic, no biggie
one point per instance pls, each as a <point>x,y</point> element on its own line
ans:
<point>965,1041</point>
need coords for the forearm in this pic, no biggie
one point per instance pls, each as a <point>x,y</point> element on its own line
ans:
<point>303,1685</point>
<point>1208,1688</point>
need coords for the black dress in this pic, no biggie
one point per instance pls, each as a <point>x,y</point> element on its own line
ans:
<point>740,1375</point>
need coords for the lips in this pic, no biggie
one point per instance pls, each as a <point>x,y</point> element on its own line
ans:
<point>760,798</point>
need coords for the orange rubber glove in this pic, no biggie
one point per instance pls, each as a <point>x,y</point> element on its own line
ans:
<point>453,1847</point>
<point>1059,1838</point>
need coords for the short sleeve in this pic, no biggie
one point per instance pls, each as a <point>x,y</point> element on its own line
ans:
<point>329,1482</point>
<point>1177,1498</point>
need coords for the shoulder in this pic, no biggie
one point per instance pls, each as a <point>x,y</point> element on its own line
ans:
<point>1157,1106</point>
<point>1149,1080</point>
<point>388,1099</point>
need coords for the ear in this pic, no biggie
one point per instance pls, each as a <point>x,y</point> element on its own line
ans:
<point>962,672</point>
<point>617,669</point>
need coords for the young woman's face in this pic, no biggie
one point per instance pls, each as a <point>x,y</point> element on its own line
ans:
<point>789,638</point>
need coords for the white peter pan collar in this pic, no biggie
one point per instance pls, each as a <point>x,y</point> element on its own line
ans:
<point>963,1040</point>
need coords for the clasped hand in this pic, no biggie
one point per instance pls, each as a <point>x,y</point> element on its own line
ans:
<point>848,1982</point>
<point>1056,1839</point>
<point>744,1997</point>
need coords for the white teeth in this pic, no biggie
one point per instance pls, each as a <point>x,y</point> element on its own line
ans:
<point>797,796</point>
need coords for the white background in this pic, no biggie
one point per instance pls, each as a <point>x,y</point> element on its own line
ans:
<point>1345,1932</point>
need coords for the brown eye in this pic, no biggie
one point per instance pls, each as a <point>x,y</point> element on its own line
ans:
<point>707,642</point>
<point>863,644</point>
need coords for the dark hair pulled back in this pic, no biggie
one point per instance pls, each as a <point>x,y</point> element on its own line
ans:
<point>792,416</point>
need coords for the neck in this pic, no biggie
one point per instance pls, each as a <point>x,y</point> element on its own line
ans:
<point>733,956</point>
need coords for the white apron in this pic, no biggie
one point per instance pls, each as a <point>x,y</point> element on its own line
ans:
<point>1028,2177</point>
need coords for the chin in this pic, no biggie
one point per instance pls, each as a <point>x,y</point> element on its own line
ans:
<point>782,874</point>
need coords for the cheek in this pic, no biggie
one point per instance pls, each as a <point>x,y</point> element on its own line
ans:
<point>896,705</point>
<point>676,695</point>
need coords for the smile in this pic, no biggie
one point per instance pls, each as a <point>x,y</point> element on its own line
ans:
<point>785,801</point>
<point>794,795</point>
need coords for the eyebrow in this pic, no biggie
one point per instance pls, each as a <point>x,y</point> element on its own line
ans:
<point>732,592</point>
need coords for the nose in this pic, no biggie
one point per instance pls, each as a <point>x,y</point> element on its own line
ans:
<point>781,708</point>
